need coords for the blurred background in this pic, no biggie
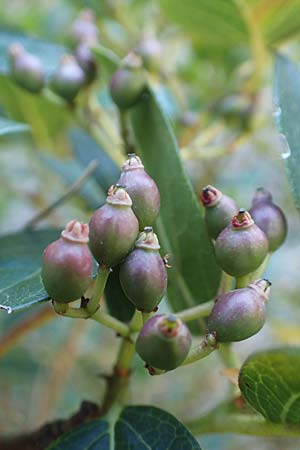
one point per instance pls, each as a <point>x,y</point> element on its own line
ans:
<point>211,64</point>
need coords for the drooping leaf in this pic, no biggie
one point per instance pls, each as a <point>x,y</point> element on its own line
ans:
<point>118,304</point>
<point>86,149</point>
<point>270,382</point>
<point>20,262</point>
<point>195,276</point>
<point>287,114</point>
<point>11,127</point>
<point>137,428</point>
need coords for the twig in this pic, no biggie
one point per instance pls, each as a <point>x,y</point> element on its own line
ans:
<point>73,189</point>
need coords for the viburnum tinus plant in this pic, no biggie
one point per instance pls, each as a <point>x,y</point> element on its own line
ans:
<point>175,275</point>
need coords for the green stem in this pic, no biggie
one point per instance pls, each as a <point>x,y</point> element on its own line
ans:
<point>136,322</point>
<point>242,282</point>
<point>146,316</point>
<point>226,283</point>
<point>258,273</point>
<point>128,147</point>
<point>105,319</point>
<point>202,310</point>
<point>199,352</point>
<point>101,279</point>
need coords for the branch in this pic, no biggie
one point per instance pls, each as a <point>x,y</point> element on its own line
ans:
<point>202,310</point>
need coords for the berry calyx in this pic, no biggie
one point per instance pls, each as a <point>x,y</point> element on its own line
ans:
<point>26,69</point>
<point>142,190</point>
<point>68,78</point>
<point>242,246</point>
<point>239,314</point>
<point>113,228</point>
<point>143,275</point>
<point>164,342</point>
<point>269,217</point>
<point>67,266</point>
<point>219,210</point>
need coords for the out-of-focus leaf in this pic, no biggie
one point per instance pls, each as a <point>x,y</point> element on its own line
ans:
<point>118,304</point>
<point>20,262</point>
<point>194,277</point>
<point>86,149</point>
<point>137,428</point>
<point>11,127</point>
<point>108,59</point>
<point>270,382</point>
<point>287,116</point>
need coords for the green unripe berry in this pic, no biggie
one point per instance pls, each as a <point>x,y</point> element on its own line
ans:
<point>68,78</point>
<point>164,342</point>
<point>113,228</point>
<point>242,246</point>
<point>219,210</point>
<point>239,314</point>
<point>67,266</point>
<point>26,69</point>
<point>142,189</point>
<point>269,217</point>
<point>143,275</point>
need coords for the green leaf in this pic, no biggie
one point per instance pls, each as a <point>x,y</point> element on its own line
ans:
<point>137,428</point>
<point>287,112</point>
<point>118,304</point>
<point>86,149</point>
<point>270,382</point>
<point>194,276</point>
<point>108,59</point>
<point>20,262</point>
<point>11,127</point>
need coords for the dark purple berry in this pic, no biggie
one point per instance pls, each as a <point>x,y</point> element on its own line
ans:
<point>242,246</point>
<point>143,275</point>
<point>128,83</point>
<point>239,314</point>
<point>113,228</point>
<point>67,267</point>
<point>269,217</point>
<point>86,60</point>
<point>164,342</point>
<point>68,78</point>
<point>26,69</point>
<point>142,189</point>
<point>84,27</point>
<point>219,210</point>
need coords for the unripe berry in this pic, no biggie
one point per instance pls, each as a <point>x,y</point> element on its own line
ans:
<point>68,78</point>
<point>242,246</point>
<point>219,210</point>
<point>142,189</point>
<point>84,27</point>
<point>150,50</point>
<point>26,69</point>
<point>113,228</point>
<point>67,267</point>
<point>239,314</point>
<point>143,275</point>
<point>269,217</point>
<point>164,342</point>
<point>128,83</point>
<point>86,60</point>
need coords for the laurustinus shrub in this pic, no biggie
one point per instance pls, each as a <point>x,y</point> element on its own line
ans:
<point>164,342</point>
<point>26,69</point>
<point>239,314</point>
<point>242,246</point>
<point>142,189</point>
<point>143,275</point>
<point>269,217</point>
<point>68,78</point>
<point>219,210</point>
<point>113,228</point>
<point>67,266</point>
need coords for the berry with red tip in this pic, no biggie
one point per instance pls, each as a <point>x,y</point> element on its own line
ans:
<point>142,190</point>
<point>113,228</point>
<point>143,275</point>
<point>164,342</point>
<point>67,267</point>
<point>239,314</point>
<point>26,69</point>
<point>269,217</point>
<point>219,210</point>
<point>242,246</point>
<point>68,78</point>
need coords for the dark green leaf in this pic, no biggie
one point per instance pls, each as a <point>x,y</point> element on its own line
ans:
<point>11,127</point>
<point>20,262</point>
<point>86,149</point>
<point>137,428</point>
<point>287,114</point>
<point>118,304</point>
<point>270,382</point>
<point>194,277</point>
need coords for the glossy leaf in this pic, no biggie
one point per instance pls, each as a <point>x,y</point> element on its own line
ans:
<point>11,127</point>
<point>137,428</point>
<point>118,304</point>
<point>20,262</point>
<point>194,276</point>
<point>287,116</point>
<point>86,149</point>
<point>270,382</point>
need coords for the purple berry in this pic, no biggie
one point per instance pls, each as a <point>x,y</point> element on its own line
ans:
<point>68,78</point>
<point>84,27</point>
<point>26,69</point>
